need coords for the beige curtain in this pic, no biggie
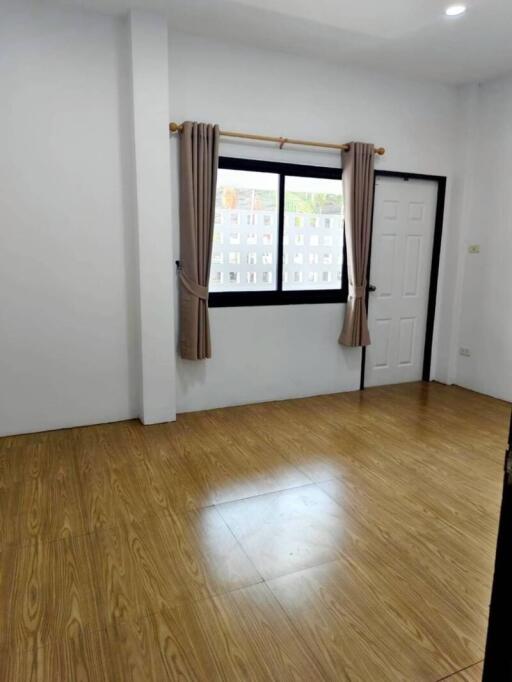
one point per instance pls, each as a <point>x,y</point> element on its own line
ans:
<point>199,150</point>
<point>358,198</point>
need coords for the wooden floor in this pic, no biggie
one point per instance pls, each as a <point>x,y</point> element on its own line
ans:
<point>344,537</point>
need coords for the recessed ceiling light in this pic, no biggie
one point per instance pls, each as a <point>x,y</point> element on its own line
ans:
<point>455,10</point>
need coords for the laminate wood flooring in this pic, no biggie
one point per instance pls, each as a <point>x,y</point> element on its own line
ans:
<point>347,537</point>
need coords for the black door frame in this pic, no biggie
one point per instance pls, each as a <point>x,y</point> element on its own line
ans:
<point>440,180</point>
<point>498,653</point>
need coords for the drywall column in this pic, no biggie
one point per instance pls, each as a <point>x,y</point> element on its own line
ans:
<point>150,91</point>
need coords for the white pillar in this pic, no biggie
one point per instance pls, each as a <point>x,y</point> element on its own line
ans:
<point>150,93</point>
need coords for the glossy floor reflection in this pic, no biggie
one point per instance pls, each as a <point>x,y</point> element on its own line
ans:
<point>344,537</point>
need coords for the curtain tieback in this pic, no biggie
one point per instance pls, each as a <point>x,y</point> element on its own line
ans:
<point>356,292</point>
<point>195,289</point>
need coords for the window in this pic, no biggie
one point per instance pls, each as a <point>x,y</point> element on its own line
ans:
<point>278,235</point>
<point>318,204</point>
<point>248,199</point>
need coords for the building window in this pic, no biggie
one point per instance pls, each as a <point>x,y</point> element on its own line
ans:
<point>318,201</point>
<point>293,253</point>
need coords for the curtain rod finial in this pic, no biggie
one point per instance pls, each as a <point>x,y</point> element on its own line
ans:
<point>380,151</point>
<point>175,127</point>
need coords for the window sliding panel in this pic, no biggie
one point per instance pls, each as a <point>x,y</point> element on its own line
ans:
<point>313,234</point>
<point>245,241</point>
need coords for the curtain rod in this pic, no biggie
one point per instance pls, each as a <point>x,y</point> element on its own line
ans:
<point>281,141</point>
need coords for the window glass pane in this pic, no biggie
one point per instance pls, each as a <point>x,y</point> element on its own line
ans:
<point>245,236</point>
<point>313,234</point>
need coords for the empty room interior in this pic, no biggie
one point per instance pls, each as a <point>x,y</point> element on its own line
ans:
<point>255,338</point>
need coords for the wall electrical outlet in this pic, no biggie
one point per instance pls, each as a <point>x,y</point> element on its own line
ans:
<point>474,248</point>
<point>465,352</point>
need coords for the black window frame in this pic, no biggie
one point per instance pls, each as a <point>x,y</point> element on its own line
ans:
<point>232,299</point>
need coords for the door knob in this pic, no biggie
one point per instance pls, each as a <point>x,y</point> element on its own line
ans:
<point>372,287</point>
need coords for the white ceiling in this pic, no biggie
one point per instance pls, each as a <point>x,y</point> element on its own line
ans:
<point>412,37</point>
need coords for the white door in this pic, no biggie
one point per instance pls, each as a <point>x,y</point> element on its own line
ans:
<point>401,257</point>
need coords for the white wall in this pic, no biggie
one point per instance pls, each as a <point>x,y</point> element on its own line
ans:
<point>68,331</point>
<point>266,353</point>
<point>69,286</point>
<point>150,101</point>
<point>485,322</point>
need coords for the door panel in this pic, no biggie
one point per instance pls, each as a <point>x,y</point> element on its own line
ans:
<point>402,240</point>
